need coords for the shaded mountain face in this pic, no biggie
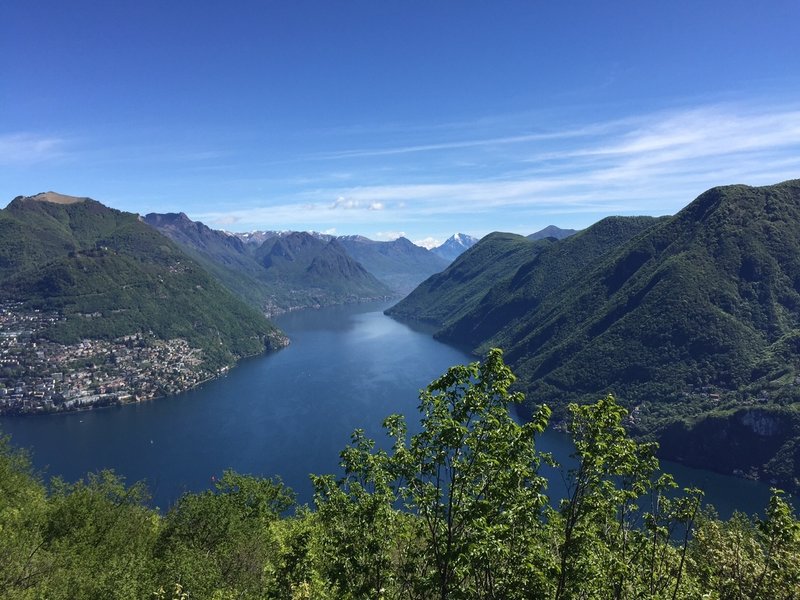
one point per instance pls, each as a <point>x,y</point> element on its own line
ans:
<point>553,232</point>
<point>285,271</point>
<point>399,264</point>
<point>225,256</point>
<point>182,229</point>
<point>303,259</point>
<point>78,257</point>
<point>689,320</point>
<point>455,246</point>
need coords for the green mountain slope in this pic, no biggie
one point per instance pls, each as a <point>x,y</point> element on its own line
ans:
<point>111,275</point>
<point>447,296</point>
<point>501,316</point>
<point>693,321</point>
<point>696,301</point>
<point>505,276</point>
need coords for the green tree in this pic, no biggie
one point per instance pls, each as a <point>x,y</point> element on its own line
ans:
<point>222,539</point>
<point>609,547</point>
<point>470,477</point>
<point>100,535</point>
<point>751,559</point>
<point>298,569</point>
<point>23,562</point>
<point>358,520</point>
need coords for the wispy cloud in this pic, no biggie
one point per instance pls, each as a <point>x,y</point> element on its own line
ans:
<point>389,236</point>
<point>24,148</point>
<point>663,151</point>
<point>472,143</point>
<point>653,163</point>
<point>356,204</point>
<point>428,242</point>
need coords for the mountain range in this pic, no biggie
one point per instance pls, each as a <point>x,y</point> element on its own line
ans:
<point>279,271</point>
<point>276,272</point>
<point>399,264</point>
<point>693,321</point>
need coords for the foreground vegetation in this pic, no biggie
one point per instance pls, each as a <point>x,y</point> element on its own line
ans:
<point>456,511</point>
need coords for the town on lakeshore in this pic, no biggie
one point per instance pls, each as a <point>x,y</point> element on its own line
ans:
<point>40,376</point>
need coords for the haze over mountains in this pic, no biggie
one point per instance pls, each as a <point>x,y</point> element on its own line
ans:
<point>283,272</point>
<point>691,320</point>
<point>399,264</point>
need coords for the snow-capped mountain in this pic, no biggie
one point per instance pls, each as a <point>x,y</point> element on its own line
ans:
<point>455,246</point>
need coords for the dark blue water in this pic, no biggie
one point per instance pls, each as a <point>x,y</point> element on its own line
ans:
<point>287,414</point>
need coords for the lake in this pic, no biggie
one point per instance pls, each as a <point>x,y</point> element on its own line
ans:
<point>288,414</point>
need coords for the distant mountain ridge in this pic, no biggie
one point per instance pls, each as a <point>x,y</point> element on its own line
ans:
<point>553,232</point>
<point>261,236</point>
<point>399,264</point>
<point>692,320</point>
<point>287,270</point>
<point>323,266</point>
<point>225,256</point>
<point>391,268</point>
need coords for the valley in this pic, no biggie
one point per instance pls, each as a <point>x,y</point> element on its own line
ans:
<point>690,321</point>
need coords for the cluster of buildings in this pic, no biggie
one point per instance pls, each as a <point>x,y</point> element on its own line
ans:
<point>37,375</point>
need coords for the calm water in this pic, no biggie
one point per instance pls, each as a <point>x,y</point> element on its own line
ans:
<point>287,414</point>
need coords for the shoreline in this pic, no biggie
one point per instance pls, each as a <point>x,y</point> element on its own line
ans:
<point>223,371</point>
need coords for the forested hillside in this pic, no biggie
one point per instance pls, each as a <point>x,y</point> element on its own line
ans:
<point>445,297</point>
<point>457,511</point>
<point>685,319</point>
<point>110,275</point>
<point>308,271</point>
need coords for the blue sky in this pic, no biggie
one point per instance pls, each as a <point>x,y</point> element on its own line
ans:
<point>389,117</point>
